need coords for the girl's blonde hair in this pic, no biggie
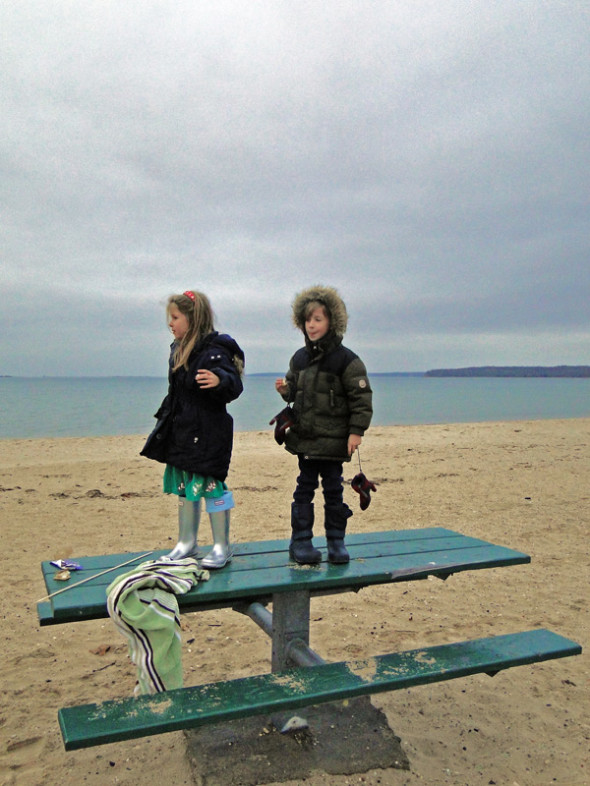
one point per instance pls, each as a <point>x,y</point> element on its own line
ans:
<point>197,309</point>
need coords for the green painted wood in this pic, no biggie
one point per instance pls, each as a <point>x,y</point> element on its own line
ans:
<point>366,551</point>
<point>268,547</point>
<point>265,547</point>
<point>224,587</point>
<point>129,718</point>
<point>278,558</point>
<point>45,613</point>
<point>255,574</point>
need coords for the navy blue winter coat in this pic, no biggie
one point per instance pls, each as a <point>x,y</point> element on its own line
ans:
<point>199,433</point>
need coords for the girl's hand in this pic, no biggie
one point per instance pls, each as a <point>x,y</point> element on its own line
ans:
<point>281,386</point>
<point>354,440</point>
<point>206,379</point>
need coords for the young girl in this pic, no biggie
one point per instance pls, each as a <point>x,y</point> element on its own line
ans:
<point>332,403</point>
<point>205,373</point>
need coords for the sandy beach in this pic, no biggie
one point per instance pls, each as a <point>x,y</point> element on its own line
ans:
<point>520,484</point>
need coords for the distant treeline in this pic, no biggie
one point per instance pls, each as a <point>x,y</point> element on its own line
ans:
<point>511,371</point>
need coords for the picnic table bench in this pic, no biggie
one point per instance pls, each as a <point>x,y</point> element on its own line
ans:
<point>261,573</point>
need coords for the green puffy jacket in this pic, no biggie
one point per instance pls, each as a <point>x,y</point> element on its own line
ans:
<point>332,399</point>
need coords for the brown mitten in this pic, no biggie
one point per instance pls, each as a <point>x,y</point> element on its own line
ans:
<point>283,422</point>
<point>363,487</point>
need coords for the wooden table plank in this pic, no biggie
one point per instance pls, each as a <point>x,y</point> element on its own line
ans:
<point>252,556</point>
<point>101,562</point>
<point>259,570</point>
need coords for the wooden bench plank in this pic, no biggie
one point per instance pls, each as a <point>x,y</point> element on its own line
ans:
<point>129,718</point>
<point>249,578</point>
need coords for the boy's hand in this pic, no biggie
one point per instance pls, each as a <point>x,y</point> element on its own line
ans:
<point>206,378</point>
<point>354,440</point>
<point>281,386</point>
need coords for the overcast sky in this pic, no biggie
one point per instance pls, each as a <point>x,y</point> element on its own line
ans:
<point>428,158</point>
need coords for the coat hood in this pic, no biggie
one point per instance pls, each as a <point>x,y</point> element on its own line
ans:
<point>232,346</point>
<point>229,344</point>
<point>329,298</point>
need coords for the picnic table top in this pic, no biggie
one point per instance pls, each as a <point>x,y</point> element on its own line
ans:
<point>260,569</point>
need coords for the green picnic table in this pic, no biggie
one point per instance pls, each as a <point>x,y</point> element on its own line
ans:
<point>261,574</point>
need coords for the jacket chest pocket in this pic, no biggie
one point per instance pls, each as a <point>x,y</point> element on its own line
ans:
<point>335,391</point>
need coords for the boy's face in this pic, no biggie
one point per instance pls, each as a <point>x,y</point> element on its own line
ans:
<point>317,324</point>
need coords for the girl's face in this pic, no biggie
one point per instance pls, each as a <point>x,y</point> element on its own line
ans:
<point>178,322</point>
<point>317,324</point>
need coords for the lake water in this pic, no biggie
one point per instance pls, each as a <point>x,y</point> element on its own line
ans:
<point>104,406</point>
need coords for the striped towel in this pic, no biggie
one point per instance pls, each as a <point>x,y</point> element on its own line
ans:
<point>142,603</point>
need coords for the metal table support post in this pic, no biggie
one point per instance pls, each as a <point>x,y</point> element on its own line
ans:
<point>288,628</point>
<point>290,622</point>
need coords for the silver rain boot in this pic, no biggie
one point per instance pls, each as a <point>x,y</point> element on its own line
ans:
<point>219,515</point>
<point>189,515</point>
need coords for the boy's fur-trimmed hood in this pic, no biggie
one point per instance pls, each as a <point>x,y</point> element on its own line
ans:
<point>328,297</point>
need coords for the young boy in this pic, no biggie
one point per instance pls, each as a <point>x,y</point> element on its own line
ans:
<point>332,403</point>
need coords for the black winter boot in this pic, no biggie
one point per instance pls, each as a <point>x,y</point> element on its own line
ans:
<point>336,517</point>
<point>301,548</point>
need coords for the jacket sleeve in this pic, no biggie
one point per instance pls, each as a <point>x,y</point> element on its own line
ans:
<point>360,396</point>
<point>291,380</point>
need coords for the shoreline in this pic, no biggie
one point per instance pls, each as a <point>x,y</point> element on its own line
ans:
<point>64,409</point>
<point>24,450</point>
<point>521,484</point>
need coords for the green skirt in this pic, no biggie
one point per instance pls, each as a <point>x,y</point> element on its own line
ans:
<point>191,485</point>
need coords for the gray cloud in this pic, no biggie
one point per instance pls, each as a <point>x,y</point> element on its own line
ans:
<point>428,159</point>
